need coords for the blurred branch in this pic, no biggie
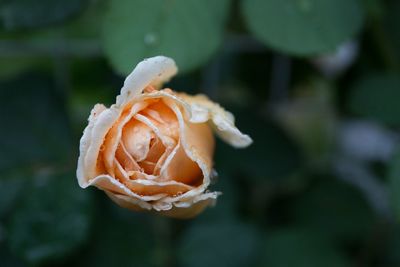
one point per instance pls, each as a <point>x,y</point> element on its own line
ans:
<point>78,48</point>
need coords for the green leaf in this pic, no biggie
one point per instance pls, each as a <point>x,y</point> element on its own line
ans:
<point>189,31</point>
<point>272,155</point>
<point>18,14</point>
<point>227,203</point>
<point>310,119</point>
<point>52,219</point>
<point>394,184</point>
<point>376,97</point>
<point>334,210</point>
<point>218,244</point>
<point>11,187</point>
<point>120,238</point>
<point>14,66</point>
<point>391,19</point>
<point>91,84</point>
<point>9,260</point>
<point>390,249</point>
<point>300,248</point>
<point>36,125</point>
<point>303,27</point>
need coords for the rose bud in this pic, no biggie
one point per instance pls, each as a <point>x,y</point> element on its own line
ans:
<point>153,149</point>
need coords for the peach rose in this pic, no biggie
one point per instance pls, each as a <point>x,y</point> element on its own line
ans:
<point>153,149</point>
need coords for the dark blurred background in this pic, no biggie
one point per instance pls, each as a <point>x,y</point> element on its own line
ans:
<point>315,83</point>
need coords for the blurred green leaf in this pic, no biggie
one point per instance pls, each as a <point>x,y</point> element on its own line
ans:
<point>84,29</point>
<point>335,210</point>
<point>390,248</point>
<point>392,21</point>
<point>77,38</point>
<point>92,82</point>
<point>394,184</point>
<point>11,67</point>
<point>17,14</point>
<point>376,97</point>
<point>303,27</point>
<point>35,125</point>
<point>272,155</point>
<point>218,244</point>
<point>189,31</point>
<point>7,259</point>
<point>11,187</point>
<point>300,248</point>
<point>374,8</point>
<point>310,119</point>
<point>88,24</point>
<point>227,203</point>
<point>52,219</point>
<point>120,238</point>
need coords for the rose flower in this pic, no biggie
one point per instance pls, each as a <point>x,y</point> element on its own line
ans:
<point>153,149</point>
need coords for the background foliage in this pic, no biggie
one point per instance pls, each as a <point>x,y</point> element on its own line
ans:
<point>316,83</point>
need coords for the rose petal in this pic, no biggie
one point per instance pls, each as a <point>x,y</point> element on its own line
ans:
<point>223,122</point>
<point>136,137</point>
<point>110,184</point>
<point>199,151</point>
<point>151,71</point>
<point>148,187</point>
<point>113,137</point>
<point>174,210</point>
<point>125,159</point>
<point>86,141</point>
<point>91,141</point>
<point>182,169</point>
<point>157,149</point>
<point>167,94</point>
<point>165,139</point>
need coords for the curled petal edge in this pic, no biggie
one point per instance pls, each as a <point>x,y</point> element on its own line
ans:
<point>91,140</point>
<point>184,208</point>
<point>222,121</point>
<point>181,210</point>
<point>151,71</point>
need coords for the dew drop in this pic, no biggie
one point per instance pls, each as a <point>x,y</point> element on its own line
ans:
<point>150,39</point>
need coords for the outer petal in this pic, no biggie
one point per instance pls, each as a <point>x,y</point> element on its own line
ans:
<point>152,71</point>
<point>174,211</point>
<point>100,120</point>
<point>198,144</point>
<point>223,122</point>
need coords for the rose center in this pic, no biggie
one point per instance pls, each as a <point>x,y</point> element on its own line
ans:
<point>148,138</point>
